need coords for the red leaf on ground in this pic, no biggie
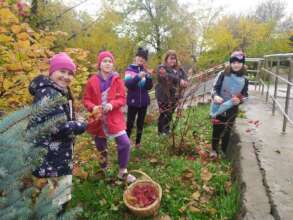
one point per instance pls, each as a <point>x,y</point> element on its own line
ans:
<point>190,158</point>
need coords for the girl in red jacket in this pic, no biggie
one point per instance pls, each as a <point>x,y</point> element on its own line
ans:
<point>105,94</point>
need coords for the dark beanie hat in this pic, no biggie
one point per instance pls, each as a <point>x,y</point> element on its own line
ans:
<point>237,56</point>
<point>142,53</point>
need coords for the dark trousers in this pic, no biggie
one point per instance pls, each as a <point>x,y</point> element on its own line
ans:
<point>222,131</point>
<point>165,118</point>
<point>131,115</point>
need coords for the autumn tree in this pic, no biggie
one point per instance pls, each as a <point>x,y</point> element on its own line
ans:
<point>104,34</point>
<point>270,10</point>
<point>257,34</point>
<point>157,25</point>
<point>25,53</point>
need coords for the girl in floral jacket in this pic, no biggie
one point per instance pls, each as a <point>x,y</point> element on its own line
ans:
<point>57,163</point>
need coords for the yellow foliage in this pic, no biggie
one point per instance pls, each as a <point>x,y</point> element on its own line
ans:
<point>25,53</point>
<point>3,30</point>
<point>23,36</point>
<point>7,17</point>
<point>16,29</point>
<point>5,39</point>
<point>14,67</point>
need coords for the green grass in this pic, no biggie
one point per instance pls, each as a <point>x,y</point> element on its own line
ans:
<point>102,200</point>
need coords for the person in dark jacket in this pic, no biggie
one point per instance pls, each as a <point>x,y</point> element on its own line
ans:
<point>230,84</point>
<point>138,81</point>
<point>171,83</point>
<point>57,163</point>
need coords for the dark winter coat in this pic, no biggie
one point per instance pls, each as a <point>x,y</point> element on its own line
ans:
<point>59,144</point>
<point>226,86</point>
<point>168,87</point>
<point>137,93</point>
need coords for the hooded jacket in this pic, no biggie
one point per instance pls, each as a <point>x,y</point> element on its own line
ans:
<point>116,97</point>
<point>59,144</point>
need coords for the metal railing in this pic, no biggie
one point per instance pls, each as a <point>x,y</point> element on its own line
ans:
<point>271,80</point>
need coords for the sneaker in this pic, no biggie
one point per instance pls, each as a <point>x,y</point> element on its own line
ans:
<point>213,155</point>
<point>164,134</point>
<point>138,146</point>
<point>127,177</point>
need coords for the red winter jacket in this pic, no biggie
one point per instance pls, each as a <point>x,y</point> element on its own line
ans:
<point>116,97</point>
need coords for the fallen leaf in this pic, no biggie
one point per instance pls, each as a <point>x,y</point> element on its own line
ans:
<point>40,182</point>
<point>114,207</point>
<point>187,175</point>
<point>210,190</point>
<point>278,151</point>
<point>212,211</point>
<point>228,186</point>
<point>79,172</point>
<point>193,209</point>
<point>205,198</point>
<point>182,209</point>
<point>204,155</point>
<point>136,159</point>
<point>195,196</point>
<point>192,158</point>
<point>103,202</point>
<point>153,161</point>
<point>205,175</point>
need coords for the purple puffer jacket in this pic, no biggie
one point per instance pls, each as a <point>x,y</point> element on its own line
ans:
<point>137,95</point>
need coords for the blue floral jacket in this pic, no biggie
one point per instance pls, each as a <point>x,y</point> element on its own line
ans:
<point>59,143</point>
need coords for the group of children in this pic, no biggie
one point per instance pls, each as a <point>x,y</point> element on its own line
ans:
<point>105,97</point>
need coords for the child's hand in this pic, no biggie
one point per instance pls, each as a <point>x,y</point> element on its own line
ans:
<point>97,111</point>
<point>218,100</point>
<point>235,100</point>
<point>108,107</point>
<point>142,74</point>
<point>80,118</point>
<point>183,83</point>
<point>162,72</point>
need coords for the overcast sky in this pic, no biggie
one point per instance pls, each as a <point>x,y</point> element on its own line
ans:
<point>230,6</point>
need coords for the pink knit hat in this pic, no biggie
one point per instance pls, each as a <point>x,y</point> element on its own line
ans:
<point>61,61</point>
<point>103,55</point>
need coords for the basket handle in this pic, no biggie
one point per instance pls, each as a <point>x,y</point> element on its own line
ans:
<point>142,173</point>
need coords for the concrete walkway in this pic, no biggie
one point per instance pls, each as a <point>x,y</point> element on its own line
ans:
<point>264,161</point>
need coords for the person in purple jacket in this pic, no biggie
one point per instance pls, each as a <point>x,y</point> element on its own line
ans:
<point>138,82</point>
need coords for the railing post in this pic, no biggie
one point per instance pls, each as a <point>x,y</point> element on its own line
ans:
<point>260,74</point>
<point>265,67</point>
<point>290,74</point>
<point>257,75</point>
<point>269,79</point>
<point>276,86</point>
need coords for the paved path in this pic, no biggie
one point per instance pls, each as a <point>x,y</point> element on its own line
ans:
<point>265,162</point>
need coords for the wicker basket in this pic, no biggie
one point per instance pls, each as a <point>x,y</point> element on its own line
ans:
<point>150,210</point>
